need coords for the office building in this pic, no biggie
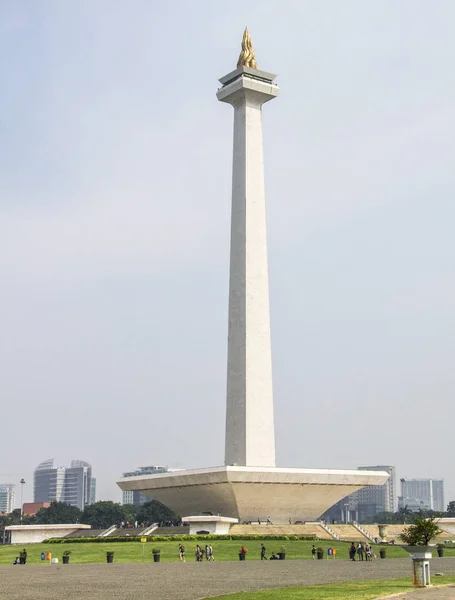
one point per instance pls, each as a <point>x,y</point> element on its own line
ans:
<point>7,497</point>
<point>93,490</point>
<point>422,494</point>
<point>367,502</point>
<point>373,500</point>
<point>135,497</point>
<point>64,484</point>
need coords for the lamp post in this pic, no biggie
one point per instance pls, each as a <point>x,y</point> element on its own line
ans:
<point>22,497</point>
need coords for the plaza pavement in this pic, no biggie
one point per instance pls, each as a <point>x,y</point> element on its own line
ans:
<point>191,580</point>
<point>446,592</point>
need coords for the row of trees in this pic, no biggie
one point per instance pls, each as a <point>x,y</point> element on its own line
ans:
<point>405,515</point>
<point>99,515</point>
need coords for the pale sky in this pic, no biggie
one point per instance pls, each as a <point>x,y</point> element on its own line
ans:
<point>115,183</point>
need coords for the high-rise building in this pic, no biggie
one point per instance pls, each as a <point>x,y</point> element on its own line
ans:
<point>65,484</point>
<point>135,497</point>
<point>7,497</point>
<point>93,490</point>
<point>367,502</point>
<point>372,500</point>
<point>422,494</point>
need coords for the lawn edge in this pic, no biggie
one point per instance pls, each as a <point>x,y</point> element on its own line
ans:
<point>404,594</point>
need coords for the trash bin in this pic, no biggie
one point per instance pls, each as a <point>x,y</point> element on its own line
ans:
<point>440,551</point>
<point>329,551</point>
<point>382,553</point>
<point>320,554</point>
<point>109,557</point>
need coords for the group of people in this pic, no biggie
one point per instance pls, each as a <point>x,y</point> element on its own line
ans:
<point>362,550</point>
<point>128,525</point>
<point>273,557</point>
<point>21,559</point>
<point>199,553</point>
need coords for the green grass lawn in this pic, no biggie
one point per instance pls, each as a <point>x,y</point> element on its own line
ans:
<point>222,549</point>
<point>355,590</point>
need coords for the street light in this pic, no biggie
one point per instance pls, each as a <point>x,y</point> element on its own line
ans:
<point>347,513</point>
<point>22,497</point>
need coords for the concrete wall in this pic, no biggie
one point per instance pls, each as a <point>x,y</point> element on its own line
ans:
<point>34,534</point>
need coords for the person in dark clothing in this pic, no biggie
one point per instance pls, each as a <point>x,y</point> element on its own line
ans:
<point>23,557</point>
<point>352,550</point>
<point>313,552</point>
<point>263,549</point>
<point>360,550</point>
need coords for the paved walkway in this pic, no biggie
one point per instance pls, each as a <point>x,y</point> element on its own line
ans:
<point>189,581</point>
<point>446,592</point>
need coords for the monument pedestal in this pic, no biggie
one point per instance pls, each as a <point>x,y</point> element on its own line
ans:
<point>209,524</point>
<point>252,493</point>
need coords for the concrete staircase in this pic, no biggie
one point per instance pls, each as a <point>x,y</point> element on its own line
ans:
<point>349,533</point>
<point>333,534</point>
<point>107,531</point>
<point>364,531</point>
<point>82,533</point>
<point>125,532</point>
<point>170,531</point>
<point>148,530</point>
<point>309,529</point>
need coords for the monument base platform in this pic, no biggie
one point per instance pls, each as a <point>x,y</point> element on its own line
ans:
<point>252,493</point>
<point>212,524</point>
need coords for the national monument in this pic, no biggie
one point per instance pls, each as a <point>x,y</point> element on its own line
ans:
<point>250,486</point>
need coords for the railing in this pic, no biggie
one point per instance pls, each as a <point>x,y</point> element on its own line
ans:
<point>148,530</point>
<point>107,531</point>
<point>329,530</point>
<point>363,531</point>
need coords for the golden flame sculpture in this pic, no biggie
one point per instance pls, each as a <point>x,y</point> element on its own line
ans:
<point>246,58</point>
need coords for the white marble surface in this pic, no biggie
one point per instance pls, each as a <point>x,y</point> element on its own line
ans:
<point>250,435</point>
<point>34,534</point>
<point>249,493</point>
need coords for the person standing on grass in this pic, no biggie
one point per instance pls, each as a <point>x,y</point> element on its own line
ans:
<point>181,553</point>
<point>313,552</point>
<point>211,552</point>
<point>352,551</point>
<point>367,551</point>
<point>360,551</point>
<point>263,549</point>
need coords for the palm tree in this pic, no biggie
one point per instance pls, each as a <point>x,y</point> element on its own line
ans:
<point>405,512</point>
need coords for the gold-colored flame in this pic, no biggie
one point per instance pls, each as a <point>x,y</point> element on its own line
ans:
<point>246,58</point>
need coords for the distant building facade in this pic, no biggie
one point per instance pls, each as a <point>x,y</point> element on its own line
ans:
<point>7,497</point>
<point>135,497</point>
<point>367,502</point>
<point>422,494</point>
<point>31,508</point>
<point>64,484</point>
<point>93,490</point>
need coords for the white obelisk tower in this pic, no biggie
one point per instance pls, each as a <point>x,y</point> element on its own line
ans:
<point>250,434</point>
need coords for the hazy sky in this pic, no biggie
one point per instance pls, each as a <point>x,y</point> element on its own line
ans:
<point>115,183</point>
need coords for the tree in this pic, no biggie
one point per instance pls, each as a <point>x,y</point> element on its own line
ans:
<point>405,513</point>
<point>451,508</point>
<point>129,512</point>
<point>104,514</point>
<point>421,533</point>
<point>155,512</point>
<point>58,512</point>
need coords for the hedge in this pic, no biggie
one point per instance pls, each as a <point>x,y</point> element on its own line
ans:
<point>176,538</point>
